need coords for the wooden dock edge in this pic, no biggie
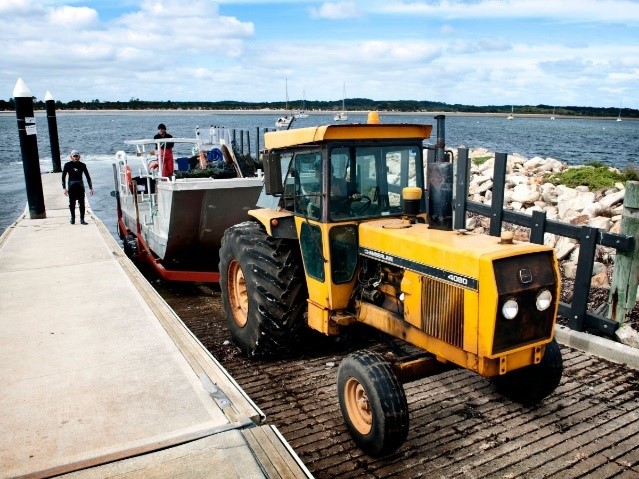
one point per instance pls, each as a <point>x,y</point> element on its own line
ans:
<point>239,408</point>
<point>274,454</point>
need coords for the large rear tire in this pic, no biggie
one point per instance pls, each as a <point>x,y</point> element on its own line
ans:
<point>373,403</point>
<point>531,384</point>
<point>263,289</point>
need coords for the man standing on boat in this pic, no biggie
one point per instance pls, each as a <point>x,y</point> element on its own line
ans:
<point>75,169</point>
<point>165,155</point>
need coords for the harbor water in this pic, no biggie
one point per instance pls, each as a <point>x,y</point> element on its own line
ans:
<point>99,135</point>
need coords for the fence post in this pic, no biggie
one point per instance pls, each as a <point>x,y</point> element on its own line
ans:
<point>538,228</point>
<point>623,292</point>
<point>583,277</point>
<point>499,187</point>
<point>461,189</point>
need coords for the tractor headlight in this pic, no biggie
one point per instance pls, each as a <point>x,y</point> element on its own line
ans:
<point>544,299</point>
<point>510,308</point>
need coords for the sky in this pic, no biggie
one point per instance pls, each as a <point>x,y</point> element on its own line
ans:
<point>472,52</point>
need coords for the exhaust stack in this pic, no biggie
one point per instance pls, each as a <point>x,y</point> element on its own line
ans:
<point>440,183</point>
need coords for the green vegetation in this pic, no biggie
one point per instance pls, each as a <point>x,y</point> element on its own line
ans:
<point>480,160</point>
<point>353,104</point>
<point>594,175</point>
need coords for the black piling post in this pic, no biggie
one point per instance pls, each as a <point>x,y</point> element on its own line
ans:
<point>53,132</point>
<point>29,148</point>
<point>257,142</point>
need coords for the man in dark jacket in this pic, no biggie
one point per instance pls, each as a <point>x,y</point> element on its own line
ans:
<point>75,191</point>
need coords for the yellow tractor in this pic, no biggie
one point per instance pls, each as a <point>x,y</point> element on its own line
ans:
<point>342,236</point>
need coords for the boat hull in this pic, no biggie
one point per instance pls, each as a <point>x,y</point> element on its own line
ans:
<point>183,221</point>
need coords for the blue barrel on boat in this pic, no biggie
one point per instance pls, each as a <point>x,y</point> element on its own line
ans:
<point>215,154</point>
<point>183,163</point>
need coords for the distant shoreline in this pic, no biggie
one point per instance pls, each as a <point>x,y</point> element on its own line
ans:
<point>314,113</point>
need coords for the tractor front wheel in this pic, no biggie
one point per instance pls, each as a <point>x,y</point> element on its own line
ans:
<point>373,403</point>
<point>533,383</point>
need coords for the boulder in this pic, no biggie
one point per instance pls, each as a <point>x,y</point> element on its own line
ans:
<point>525,194</point>
<point>517,180</point>
<point>564,246</point>
<point>479,179</point>
<point>570,269</point>
<point>575,201</point>
<point>628,336</point>
<point>609,200</point>
<point>602,222</point>
<point>600,280</point>
<point>534,162</point>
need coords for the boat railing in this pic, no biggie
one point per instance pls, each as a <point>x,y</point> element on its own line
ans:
<point>131,185</point>
<point>147,150</point>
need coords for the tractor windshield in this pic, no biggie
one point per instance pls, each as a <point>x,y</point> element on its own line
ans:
<point>358,181</point>
<point>367,181</point>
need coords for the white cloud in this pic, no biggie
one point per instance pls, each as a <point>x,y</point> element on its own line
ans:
<point>73,17</point>
<point>459,52</point>
<point>337,11</point>
<point>67,48</point>
<point>582,10</point>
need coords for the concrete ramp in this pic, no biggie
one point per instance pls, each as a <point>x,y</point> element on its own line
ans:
<point>96,369</point>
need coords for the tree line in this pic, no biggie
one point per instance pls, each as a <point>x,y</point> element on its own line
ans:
<point>353,104</point>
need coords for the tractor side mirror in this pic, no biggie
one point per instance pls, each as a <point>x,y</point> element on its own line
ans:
<point>273,174</point>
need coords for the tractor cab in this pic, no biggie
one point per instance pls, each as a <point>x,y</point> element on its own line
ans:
<point>344,173</point>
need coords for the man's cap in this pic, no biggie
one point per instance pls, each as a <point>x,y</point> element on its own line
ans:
<point>74,152</point>
<point>161,126</point>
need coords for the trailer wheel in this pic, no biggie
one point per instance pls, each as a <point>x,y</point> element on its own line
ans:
<point>373,403</point>
<point>531,384</point>
<point>263,289</point>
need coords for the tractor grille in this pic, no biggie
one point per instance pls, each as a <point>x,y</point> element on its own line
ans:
<point>443,311</point>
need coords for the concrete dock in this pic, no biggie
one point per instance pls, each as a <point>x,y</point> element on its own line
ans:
<point>99,377</point>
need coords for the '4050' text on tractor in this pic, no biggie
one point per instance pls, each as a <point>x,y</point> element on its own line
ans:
<point>342,236</point>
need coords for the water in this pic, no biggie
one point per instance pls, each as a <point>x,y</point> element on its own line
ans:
<point>98,136</point>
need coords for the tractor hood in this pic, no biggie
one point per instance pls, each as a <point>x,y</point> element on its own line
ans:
<point>451,256</point>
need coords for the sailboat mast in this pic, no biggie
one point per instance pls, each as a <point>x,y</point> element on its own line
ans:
<point>344,96</point>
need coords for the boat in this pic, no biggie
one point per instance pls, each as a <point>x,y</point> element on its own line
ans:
<point>176,223</point>
<point>512,111</point>
<point>286,120</point>
<point>342,115</point>
<point>301,113</point>
<point>552,117</point>
<point>619,116</point>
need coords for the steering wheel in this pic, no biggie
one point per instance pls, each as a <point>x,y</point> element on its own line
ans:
<point>364,201</point>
